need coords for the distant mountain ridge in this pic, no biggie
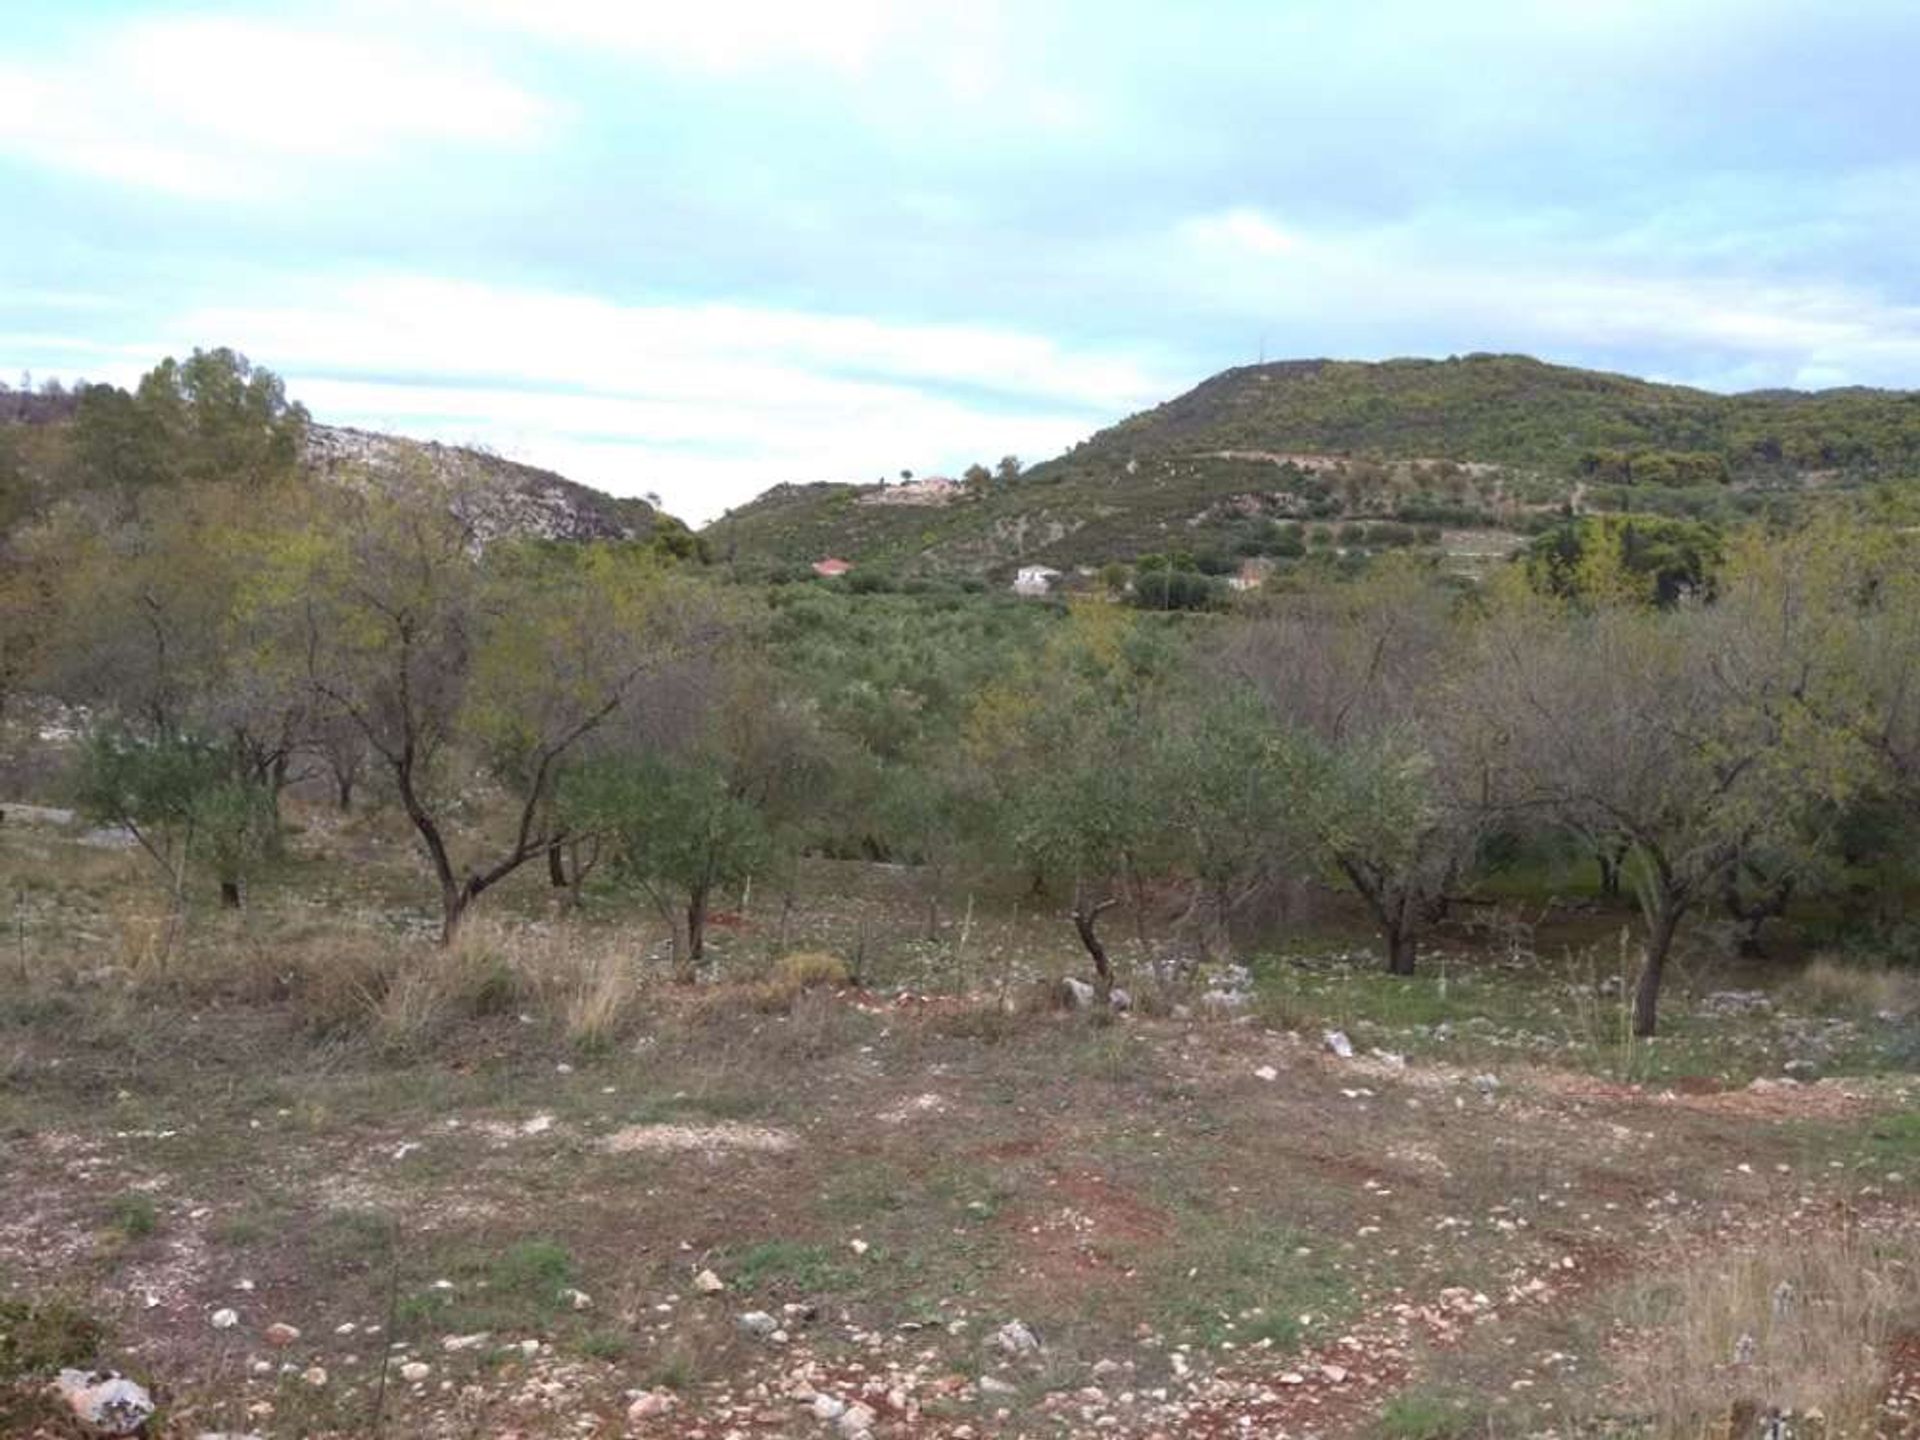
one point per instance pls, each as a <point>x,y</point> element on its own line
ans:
<point>1473,443</point>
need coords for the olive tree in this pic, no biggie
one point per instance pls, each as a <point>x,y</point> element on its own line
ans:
<point>1387,787</point>
<point>703,786</point>
<point>440,653</point>
<point>1694,739</point>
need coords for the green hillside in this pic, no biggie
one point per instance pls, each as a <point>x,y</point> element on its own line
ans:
<point>1262,459</point>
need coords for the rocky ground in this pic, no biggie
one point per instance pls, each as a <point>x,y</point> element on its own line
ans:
<point>886,1211</point>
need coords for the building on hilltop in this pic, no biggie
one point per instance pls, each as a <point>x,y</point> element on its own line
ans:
<point>1035,580</point>
<point>831,566</point>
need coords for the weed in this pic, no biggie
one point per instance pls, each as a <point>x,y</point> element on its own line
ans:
<point>788,1267</point>
<point>537,1270</point>
<point>1426,1414</point>
<point>133,1215</point>
<point>808,969</point>
<point>1830,986</point>
<point>39,1339</point>
<point>1799,1326</point>
<point>609,1345</point>
<point>36,1341</point>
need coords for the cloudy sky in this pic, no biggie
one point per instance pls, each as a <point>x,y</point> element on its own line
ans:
<point>704,246</point>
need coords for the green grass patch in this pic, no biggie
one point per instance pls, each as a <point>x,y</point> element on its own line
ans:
<point>1894,1138</point>
<point>789,1267</point>
<point>1428,1414</point>
<point>133,1215</point>
<point>1247,1284</point>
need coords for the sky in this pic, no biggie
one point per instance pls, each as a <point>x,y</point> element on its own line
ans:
<point>704,247</point>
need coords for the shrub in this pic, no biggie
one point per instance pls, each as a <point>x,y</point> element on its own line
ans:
<point>807,969</point>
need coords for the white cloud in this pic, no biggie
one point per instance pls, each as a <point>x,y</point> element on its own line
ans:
<point>217,106</point>
<point>1241,229</point>
<point>709,404</point>
<point>1551,300</point>
<point>712,35</point>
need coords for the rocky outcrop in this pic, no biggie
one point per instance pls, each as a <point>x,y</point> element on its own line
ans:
<point>497,497</point>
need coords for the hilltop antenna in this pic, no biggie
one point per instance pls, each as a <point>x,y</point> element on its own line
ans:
<point>1263,347</point>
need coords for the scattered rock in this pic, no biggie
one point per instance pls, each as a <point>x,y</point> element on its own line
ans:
<point>105,1401</point>
<point>994,1385</point>
<point>1486,1084</point>
<point>828,1407</point>
<point>1120,999</point>
<point>281,1333</point>
<point>1079,992</point>
<point>315,1375</point>
<point>414,1371</point>
<point>1266,1072</point>
<point>859,1247</point>
<point>224,1319</point>
<point>759,1324</point>
<point>711,1139</point>
<point>1016,1338</point>
<point>650,1405</point>
<point>1800,1069</point>
<point>708,1283</point>
<point>1337,1043</point>
<point>453,1344</point>
<point>577,1299</point>
<point>857,1421</point>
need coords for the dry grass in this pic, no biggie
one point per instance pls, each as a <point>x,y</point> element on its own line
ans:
<point>1830,986</point>
<point>806,969</point>
<point>1799,1328</point>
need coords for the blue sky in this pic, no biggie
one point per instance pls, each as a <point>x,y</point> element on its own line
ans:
<point>702,248</point>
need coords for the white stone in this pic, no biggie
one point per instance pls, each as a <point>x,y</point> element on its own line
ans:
<point>1016,1338</point>
<point>224,1319</point>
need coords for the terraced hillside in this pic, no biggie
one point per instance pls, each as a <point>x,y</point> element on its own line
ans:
<point>1436,452</point>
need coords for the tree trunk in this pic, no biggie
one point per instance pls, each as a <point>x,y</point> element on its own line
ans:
<point>1753,912</point>
<point>1611,855</point>
<point>343,793</point>
<point>1085,917</point>
<point>1394,912</point>
<point>454,900</point>
<point>696,925</point>
<point>1401,949</point>
<point>556,866</point>
<point>1646,993</point>
<point>230,894</point>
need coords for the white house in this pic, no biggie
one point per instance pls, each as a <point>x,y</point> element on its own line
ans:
<point>1034,580</point>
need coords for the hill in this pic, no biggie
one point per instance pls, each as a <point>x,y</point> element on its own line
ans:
<point>1452,452</point>
<point>47,450</point>
<point>508,498</point>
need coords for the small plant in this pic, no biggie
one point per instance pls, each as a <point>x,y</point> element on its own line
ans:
<point>536,1269</point>
<point>789,1266</point>
<point>807,969</point>
<point>608,1345</point>
<point>1425,1415</point>
<point>133,1215</point>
